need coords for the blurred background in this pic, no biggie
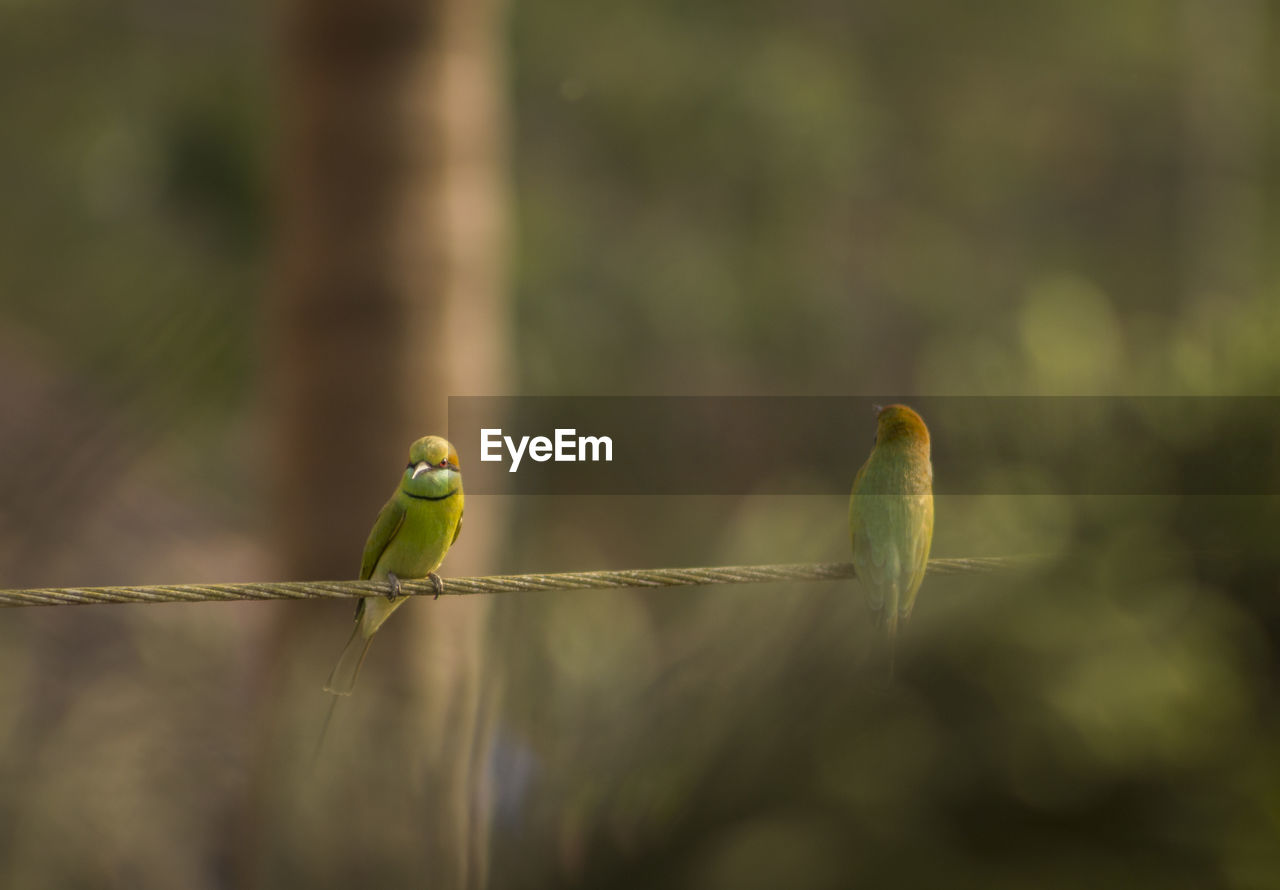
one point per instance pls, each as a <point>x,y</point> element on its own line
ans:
<point>247,252</point>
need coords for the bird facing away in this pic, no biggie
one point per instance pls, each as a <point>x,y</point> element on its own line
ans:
<point>891,518</point>
<point>413,533</point>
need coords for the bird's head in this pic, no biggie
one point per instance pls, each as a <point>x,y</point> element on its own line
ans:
<point>898,423</point>
<point>433,471</point>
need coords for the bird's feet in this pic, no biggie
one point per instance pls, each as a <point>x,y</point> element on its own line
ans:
<point>393,585</point>
<point>437,584</point>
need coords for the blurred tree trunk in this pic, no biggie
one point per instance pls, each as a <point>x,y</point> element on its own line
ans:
<point>388,298</point>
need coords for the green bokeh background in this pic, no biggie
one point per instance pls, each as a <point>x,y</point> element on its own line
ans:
<point>731,198</point>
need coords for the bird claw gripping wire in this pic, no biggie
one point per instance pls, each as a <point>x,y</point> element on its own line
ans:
<point>394,589</point>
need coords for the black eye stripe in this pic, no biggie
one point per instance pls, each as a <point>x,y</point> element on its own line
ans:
<point>446,466</point>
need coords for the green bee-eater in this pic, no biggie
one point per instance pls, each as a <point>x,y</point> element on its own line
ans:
<point>413,533</point>
<point>891,517</point>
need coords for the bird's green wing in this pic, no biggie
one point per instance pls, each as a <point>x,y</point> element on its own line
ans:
<point>457,530</point>
<point>921,538</point>
<point>870,525</point>
<point>384,531</point>
<point>874,553</point>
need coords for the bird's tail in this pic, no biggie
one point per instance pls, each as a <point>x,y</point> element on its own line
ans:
<point>343,678</point>
<point>324,731</point>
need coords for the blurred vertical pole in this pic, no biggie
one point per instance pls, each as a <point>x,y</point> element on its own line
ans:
<point>388,298</point>
<point>1226,91</point>
<point>459,696</point>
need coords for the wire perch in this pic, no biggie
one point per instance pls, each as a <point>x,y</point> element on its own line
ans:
<point>311,590</point>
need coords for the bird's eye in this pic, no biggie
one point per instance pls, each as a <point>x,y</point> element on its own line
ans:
<point>443,463</point>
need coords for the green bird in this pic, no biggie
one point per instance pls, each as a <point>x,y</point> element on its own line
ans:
<point>891,517</point>
<point>413,533</point>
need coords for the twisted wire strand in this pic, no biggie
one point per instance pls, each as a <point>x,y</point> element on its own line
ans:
<point>308,590</point>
